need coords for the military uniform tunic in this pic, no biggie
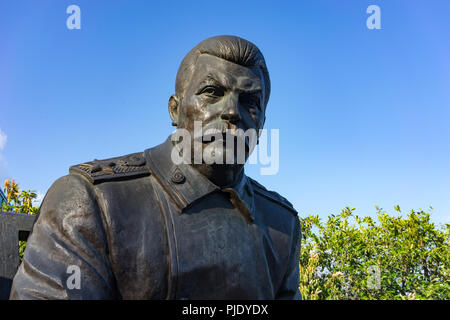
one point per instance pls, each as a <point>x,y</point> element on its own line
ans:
<point>141,227</point>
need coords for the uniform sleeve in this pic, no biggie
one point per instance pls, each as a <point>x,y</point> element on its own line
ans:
<point>289,289</point>
<point>67,253</point>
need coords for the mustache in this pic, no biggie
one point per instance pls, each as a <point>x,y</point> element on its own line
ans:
<point>218,127</point>
<point>223,130</point>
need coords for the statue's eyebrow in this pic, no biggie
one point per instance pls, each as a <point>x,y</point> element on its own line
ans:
<point>257,91</point>
<point>211,81</point>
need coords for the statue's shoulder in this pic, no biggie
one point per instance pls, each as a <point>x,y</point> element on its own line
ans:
<point>125,167</point>
<point>273,196</point>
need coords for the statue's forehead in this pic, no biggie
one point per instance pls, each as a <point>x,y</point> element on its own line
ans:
<point>246,77</point>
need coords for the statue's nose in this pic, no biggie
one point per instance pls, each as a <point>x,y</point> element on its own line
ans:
<point>231,110</point>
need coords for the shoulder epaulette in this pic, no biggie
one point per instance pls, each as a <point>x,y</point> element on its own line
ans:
<point>274,196</point>
<point>119,168</point>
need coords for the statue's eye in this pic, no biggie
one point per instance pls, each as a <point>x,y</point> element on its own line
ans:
<point>250,100</point>
<point>213,91</point>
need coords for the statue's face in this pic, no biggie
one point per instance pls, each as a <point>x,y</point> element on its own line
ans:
<point>223,95</point>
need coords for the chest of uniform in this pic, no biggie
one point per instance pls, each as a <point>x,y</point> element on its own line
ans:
<point>220,254</point>
<point>209,251</point>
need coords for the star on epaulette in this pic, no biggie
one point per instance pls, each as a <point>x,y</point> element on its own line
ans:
<point>119,168</point>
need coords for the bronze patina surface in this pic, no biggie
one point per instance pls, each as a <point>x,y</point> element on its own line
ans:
<point>142,227</point>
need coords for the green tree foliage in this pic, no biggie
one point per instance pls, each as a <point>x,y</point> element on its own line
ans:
<point>20,202</point>
<point>349,257</point>
<point>17,200</point>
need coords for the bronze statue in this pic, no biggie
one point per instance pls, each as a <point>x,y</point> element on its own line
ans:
<point>143,227</point>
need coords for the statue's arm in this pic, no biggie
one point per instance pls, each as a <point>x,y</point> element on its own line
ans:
<point>68,236</point>
<point>289,289</point>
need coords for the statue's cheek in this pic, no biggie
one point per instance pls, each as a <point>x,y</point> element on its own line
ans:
<point>253,119</point>
<point>189,108</point>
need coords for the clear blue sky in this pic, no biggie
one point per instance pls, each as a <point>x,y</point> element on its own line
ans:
<point>363,114</point>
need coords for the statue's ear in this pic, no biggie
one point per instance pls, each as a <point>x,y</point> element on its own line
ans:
<point>174,103</point>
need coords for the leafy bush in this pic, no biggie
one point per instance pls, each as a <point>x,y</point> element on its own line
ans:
<point>349,257</point>
<point>19,201</point>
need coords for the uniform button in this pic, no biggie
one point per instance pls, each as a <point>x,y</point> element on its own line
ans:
<point>178,177</point>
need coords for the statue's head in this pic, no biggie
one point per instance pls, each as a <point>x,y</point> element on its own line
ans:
<point>222,82</point>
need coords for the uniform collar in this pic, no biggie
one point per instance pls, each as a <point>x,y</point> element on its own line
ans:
<point>185,185</point>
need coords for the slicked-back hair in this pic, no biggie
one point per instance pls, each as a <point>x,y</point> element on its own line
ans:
<point>230,48</point>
